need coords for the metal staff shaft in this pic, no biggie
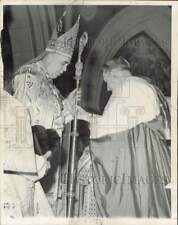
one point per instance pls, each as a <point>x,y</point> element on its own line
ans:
<point>72,169</point>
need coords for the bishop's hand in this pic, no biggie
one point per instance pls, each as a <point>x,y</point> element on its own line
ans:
<point>72,100</point>
<point>74,97</point>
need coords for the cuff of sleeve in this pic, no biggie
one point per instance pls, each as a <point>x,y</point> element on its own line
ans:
<point>41,163</point>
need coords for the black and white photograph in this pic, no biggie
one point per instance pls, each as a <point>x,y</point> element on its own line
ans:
<point>86,109</point>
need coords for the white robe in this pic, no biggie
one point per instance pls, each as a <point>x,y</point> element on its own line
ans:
<point>134,101</point>
<point>22,168</point>
<point>47,108</point>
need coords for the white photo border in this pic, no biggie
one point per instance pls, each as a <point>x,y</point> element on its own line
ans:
<point>174,75</point>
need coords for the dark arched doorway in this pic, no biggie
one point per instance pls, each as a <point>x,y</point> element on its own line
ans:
<point>134,24</point>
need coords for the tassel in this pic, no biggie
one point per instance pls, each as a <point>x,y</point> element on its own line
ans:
<point>167,131</point>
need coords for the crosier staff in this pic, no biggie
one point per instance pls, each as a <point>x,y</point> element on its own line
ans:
<point>72,166</point>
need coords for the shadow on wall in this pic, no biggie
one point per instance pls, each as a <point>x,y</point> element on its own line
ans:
<point>90,86</point>
<point>7,48</point>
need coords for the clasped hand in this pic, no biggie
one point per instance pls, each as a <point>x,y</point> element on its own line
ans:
<point>74,97</point>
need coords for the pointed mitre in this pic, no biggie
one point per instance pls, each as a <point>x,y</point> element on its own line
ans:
<point>63,45</point>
